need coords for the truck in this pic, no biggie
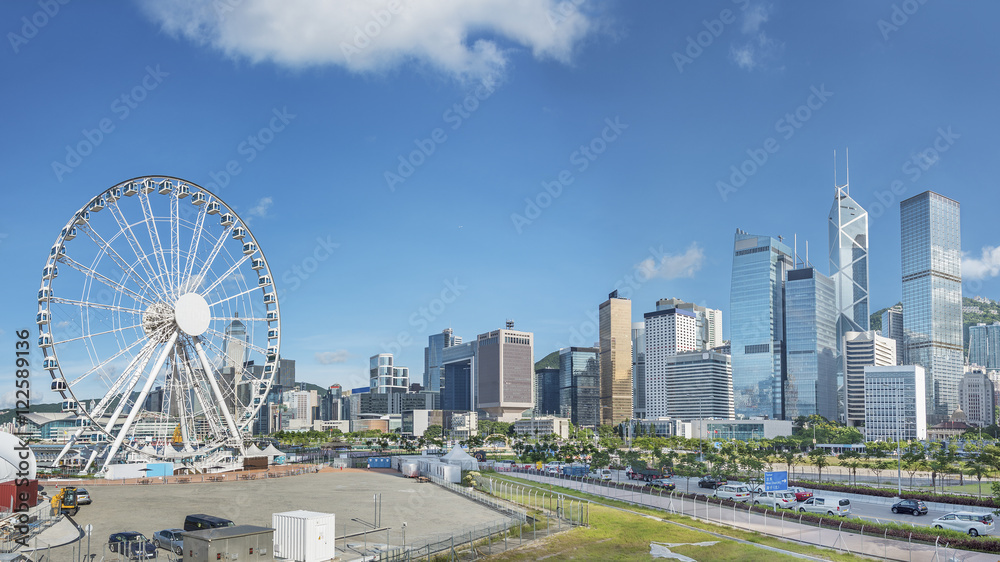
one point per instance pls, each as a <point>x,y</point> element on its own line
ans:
<point>575,470</point>
<point>647,474</point>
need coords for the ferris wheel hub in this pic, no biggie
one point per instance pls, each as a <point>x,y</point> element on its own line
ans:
<point>192,314</point>
<point>157,319</point>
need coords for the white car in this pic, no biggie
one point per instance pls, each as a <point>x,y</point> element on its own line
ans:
<point>735,492</point>
<point>776,499</point>
<point>827,505</point>
<point>974,524</point>
<point>603,473</point>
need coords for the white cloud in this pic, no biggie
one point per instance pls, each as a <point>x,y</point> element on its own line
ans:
<point>753,17</point>
<point>987,265</point>
<point>459,38</point>
<point>331,357</point>
<point>260,209</point>
<point>742,56</point>
<point>674,266</point>
<point>757,48</point>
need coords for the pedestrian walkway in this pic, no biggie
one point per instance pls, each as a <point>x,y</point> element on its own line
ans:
<point>781,524</point>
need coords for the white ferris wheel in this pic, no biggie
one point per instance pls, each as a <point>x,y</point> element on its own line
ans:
<point>159,323</point>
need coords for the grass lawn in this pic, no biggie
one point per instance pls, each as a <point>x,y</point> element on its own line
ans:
<point>617,535</point>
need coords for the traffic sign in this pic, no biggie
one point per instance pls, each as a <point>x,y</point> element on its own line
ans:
<point>774,481</point>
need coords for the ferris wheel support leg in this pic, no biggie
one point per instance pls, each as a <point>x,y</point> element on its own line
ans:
<point>90,461</point>
<point>209,374</point>
<point>168,348</point>
<point>65,449</point>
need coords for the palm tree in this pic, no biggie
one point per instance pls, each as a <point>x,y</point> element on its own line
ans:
<point>790,458</point>
<point>819,459</point>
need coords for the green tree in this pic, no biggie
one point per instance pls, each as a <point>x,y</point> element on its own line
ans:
<point>878,466</point>
<point>818,457</point>
<point>433,432</point>
<point>979,466</point>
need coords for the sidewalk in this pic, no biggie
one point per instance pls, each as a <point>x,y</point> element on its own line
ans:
<point>781,524</point>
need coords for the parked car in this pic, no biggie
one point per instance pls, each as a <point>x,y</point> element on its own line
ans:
<point>661,483</point>
<point>83,496</point>
<point>801,494</point>
<point>169,539</point>
<point>974,524</point>
<point>133,545</point>
<point>776,499</point>
<point>712,482</point>
<point>735,492</point>
<point>199,521</point>
<point>603,473</point>
<point>827,505</point>
<point>914,507</point>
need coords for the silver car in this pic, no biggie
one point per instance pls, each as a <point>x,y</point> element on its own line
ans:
<point>776,499</point>
<point>169,539</point>
<point>826,504</point>
<point>974,524</point>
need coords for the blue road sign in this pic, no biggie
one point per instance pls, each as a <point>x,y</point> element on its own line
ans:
<point>774,481</point>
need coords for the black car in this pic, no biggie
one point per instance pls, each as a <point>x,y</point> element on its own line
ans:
<point>132,544</point>
<point>711,482</point>
<point>915,507</point>
<point>661,483</point>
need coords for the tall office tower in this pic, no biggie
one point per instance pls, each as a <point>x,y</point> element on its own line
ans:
<point>976,395</point>
<point>709,322</point>
<point>547,391</point>
<point>984,345</point>
<point>892,327</point>
<point>862,349</point>
<point>699,386</point>
<point>930,226</point>
<point>235,346</point>
<point>639,370</point>
<point>615,320</point>
<point>386,378</point>
<point>848,229</point>
<point>436,344</point>
<point>579,385</point>
<point>811,344</point>
<point>458,387</point>
<point>757,328</point>
<point>505,372</point>
<point>895,403</point>
<point>668,332</point>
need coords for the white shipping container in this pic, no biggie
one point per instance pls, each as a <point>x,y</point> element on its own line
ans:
<point>304,536</point>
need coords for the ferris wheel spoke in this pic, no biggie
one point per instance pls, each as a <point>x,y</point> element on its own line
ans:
<point>216,248</point>
<point>137,405</point>
<point>193,248</point>
<point>198,386</point>
<point>137,249</point>
<point>220,401</point>
<point>129,377</point>
<point>86,304</point>
<point>104,363</point>
<point>237,295</point>
<point>240,318</point>
<point>175,246</point>
<point>113,254</point>
<point>154,238</point>
<point>250,345</point>
<point>104,279</point>
<point>95,334</point>
<point>225,275</point>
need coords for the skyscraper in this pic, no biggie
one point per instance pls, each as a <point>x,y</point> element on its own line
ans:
<point>757,329</point>
<point>385,377</point>
<point>930,229</point>
<point>976,395</point>
<point>699,386</point>
<point>458,387</point>
<point>892,328</point>
<point>668,332</point>
<point>848,230</point>
<point>505,370</point>
<point>984,345</point>
<point>708,322</point>
<point>235,344</point>
<point>862,349</point>
<point>615,320</point>
<point>811,344</point>
<point>433,353</point>
<point>894,403</point>
<point>579,385</point>
<point>547,391</point>
<point>639,369</point>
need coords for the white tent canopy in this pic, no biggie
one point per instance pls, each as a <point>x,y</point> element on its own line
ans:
<point>458,457</point>
<point>272,451</point>
<point>254,451</point>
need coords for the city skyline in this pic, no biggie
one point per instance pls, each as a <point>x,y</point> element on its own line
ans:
<point>487,158</point>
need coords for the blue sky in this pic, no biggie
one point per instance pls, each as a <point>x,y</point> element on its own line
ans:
<point>634,114</point>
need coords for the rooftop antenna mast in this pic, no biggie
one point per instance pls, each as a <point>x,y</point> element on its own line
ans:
<point>842,189</point>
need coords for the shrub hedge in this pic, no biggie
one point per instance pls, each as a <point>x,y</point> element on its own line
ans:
<point>986,502</point>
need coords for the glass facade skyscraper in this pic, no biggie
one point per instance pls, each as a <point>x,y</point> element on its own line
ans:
<point>757,328</point>
<point>639,369</point>
<point>615,322</point>
<point>810,344</point>
<point>848,230</point>
<point>434,355</point>
<point>984,345</point>
<point>930,229</point>
<point>580,383</point>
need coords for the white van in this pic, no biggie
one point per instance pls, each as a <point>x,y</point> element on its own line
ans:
<point>826,504</point>
<point>735,492</point>
<point>603,473</point>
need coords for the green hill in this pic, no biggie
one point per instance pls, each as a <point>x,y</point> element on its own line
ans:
<point>550,361</point>
<point>973,312</point>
